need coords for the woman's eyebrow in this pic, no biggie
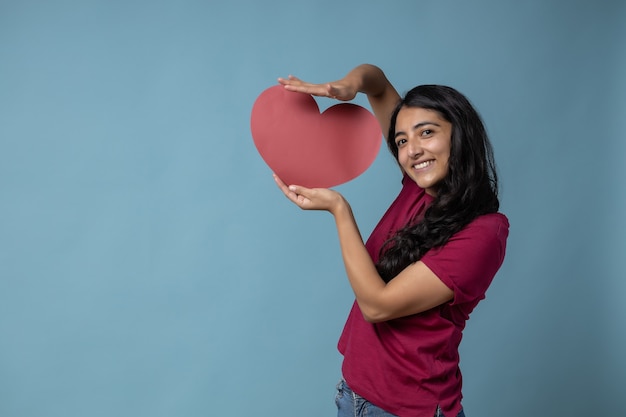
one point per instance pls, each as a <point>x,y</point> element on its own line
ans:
<point>425,123</point>
<point>417,126</point>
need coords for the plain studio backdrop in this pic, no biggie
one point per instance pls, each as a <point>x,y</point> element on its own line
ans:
<point>150,267</point>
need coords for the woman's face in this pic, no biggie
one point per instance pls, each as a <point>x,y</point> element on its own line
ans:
<point>423,139</point>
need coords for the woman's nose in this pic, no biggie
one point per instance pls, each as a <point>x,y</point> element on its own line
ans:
<point>414,148</point>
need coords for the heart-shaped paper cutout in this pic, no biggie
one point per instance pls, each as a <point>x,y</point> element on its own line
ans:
<point>307,148</point>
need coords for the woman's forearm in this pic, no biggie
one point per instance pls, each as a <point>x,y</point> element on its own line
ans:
<point>364,279</point>
<point>368,79</point>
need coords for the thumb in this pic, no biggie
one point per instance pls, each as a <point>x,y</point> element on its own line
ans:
<point>333,92</point>
<point>299,190</point>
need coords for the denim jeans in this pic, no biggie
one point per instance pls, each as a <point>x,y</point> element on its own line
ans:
<point>350,404</point>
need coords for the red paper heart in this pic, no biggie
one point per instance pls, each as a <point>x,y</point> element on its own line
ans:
<point>307,148</point>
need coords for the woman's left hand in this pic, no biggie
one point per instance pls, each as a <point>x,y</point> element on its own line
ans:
<point>312,198</point>
<point>339,90</point>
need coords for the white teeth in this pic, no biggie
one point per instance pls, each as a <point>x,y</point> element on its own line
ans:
<point>422,165</point>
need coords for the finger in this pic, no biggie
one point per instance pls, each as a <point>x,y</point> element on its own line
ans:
<point>302,196</point>
<point>340,92</point>
<point>333,92</point>
<point>283,187</point>
<point>297,85</point>
<point>293,196</point>
<point>299,190</point>
<point>280,182</point>
<point>289,80</point>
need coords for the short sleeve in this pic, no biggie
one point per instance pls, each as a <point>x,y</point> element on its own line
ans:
<point>468,262</point>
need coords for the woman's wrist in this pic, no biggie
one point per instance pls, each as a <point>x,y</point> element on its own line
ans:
<point>341,210</point>
<point>370,80</point>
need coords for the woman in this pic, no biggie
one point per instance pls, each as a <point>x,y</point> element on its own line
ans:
<point>430,259</point>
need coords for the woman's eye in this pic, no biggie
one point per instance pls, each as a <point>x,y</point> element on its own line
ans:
<point>427,132</point>
<point>400,142</point>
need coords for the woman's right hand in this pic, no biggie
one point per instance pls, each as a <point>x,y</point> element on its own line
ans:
<point>313,198</point>
<point>340,90</point>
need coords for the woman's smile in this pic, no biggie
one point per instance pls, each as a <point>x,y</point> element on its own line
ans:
<point>422,165</point>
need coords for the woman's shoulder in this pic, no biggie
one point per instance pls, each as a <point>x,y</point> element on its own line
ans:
<point>492,219</point>
<point>492,224</point>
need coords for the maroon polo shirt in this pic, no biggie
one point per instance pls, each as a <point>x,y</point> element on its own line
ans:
<point>408,366</point>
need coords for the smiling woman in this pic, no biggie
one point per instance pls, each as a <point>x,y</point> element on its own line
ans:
<point>462,178</point>
<point>430,259</point>
<point>423,141</point>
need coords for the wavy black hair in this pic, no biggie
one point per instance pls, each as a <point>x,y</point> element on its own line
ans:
<point>469,189</point>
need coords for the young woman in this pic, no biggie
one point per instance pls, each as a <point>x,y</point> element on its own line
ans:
<point>430,259</point>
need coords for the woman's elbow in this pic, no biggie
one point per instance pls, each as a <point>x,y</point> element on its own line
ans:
<point>374,319</point>
<point>373,315</point>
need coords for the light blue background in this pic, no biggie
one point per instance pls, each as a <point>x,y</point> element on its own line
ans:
<point>149,266</point>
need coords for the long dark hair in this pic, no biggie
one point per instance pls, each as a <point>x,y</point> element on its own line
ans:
<point>469,189</point>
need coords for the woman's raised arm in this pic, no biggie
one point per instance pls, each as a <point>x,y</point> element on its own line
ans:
<point>366,78</point>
